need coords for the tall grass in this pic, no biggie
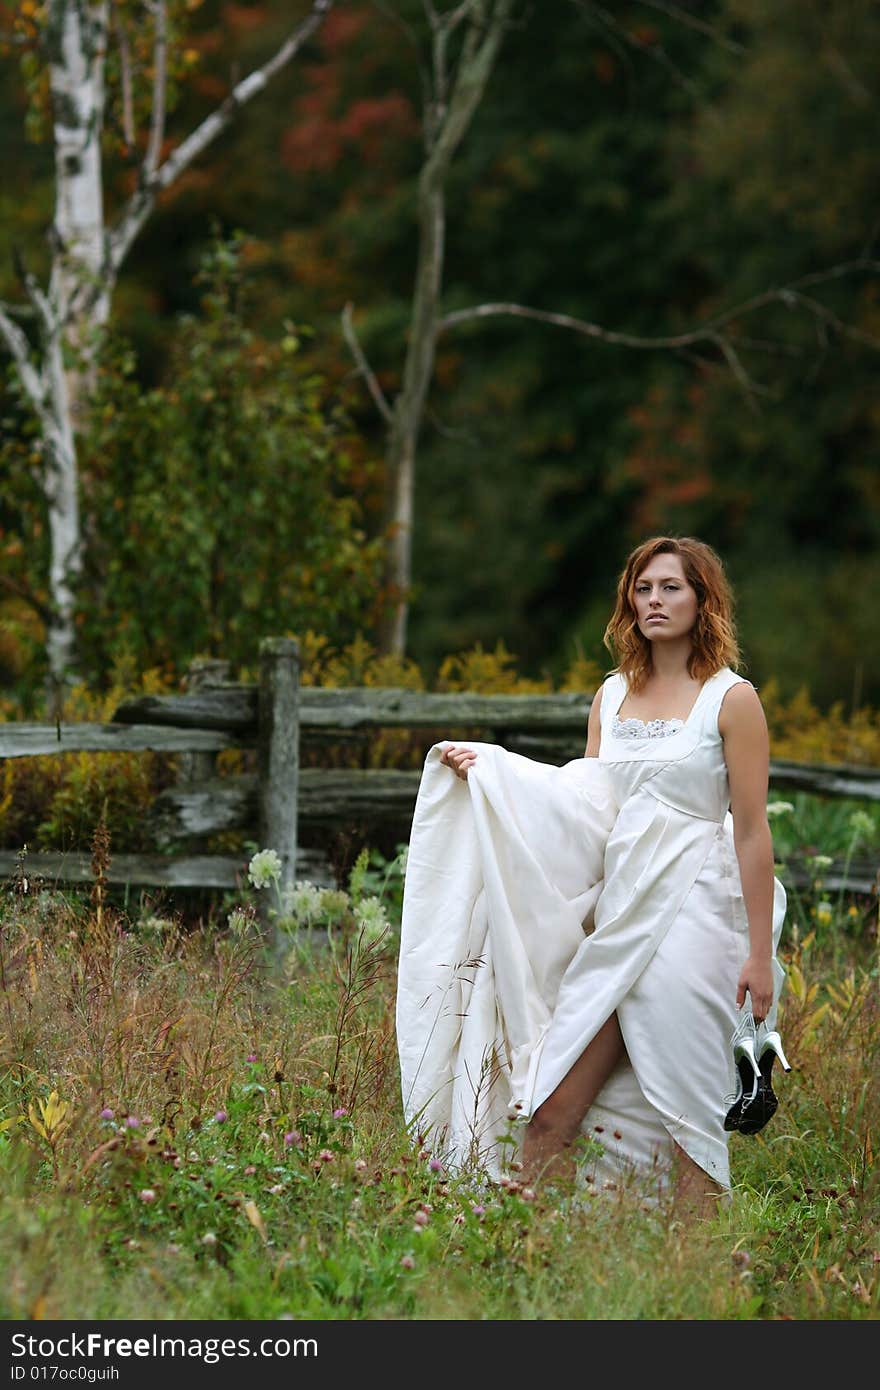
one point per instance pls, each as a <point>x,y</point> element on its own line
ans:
<point>225,1141</point>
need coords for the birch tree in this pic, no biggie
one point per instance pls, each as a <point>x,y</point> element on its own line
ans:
<point>54,332</point>
<point>464,46</point>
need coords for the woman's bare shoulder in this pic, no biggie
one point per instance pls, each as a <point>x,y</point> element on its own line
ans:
<point>741,708</point>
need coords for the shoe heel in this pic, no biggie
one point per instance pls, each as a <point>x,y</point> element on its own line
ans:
<point>750,1081</point>
<point>773,1043</point>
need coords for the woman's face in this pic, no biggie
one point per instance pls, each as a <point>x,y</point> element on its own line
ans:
<point>665,603</point>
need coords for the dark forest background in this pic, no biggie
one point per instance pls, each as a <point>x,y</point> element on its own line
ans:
<point>641,165</point>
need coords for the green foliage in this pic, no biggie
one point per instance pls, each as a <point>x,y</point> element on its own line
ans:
<point>221,500</point>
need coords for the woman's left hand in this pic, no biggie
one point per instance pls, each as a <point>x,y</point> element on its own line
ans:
<point>756,976</point>
<point>459,759</point>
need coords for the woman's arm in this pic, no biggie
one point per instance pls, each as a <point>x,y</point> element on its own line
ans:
<point>594,726</point>
<point>743,728</point>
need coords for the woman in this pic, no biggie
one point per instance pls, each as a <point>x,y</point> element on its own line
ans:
<point>656,844</point>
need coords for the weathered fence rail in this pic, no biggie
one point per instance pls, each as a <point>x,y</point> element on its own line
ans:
<point>275,714</point>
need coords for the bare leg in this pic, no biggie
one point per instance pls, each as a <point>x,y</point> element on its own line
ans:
<point>695,1193</point>
<point>556,1123</point>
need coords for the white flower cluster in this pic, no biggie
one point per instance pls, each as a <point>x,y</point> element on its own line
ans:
<point>304,902</point>
<point>779,808</point>
<point>264,868</point>
<point>372,919</point>
<point>862,825</point>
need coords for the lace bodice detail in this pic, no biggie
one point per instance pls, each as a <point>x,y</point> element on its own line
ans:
<point>637,728</point>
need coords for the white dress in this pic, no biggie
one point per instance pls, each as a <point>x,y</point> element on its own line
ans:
<point>538,901</point>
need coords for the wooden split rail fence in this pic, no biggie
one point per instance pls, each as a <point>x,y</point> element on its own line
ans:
<point>273,715</point>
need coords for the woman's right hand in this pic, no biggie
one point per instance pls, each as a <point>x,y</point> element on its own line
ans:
<point>459,759</point>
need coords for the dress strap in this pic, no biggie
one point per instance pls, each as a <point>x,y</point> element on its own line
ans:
<point>714,691</point>
<point>613,691</point>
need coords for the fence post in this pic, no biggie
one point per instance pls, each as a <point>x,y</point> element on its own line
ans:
<point>278,737</point>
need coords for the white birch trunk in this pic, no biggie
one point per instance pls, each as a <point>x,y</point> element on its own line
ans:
<point>57,373</point>
<point>78,301</point>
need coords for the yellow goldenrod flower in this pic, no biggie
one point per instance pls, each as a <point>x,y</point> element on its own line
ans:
<point>53,1117</point>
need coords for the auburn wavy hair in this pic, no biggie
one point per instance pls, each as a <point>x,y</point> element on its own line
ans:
<point>714,632</point>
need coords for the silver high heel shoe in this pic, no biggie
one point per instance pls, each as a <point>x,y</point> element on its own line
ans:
<point>755,1113</point>
<point>748,1072</point>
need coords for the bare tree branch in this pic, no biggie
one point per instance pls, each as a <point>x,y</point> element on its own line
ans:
<point>23,590</point>
<point>128,131</point>
<point>731,356</point>
<point>39,301</point>
<point>451,19</point>
<point>365,369</point>
<point>19,347</point>
<point>789,295</point>
<point>143,200</point>
<point>160,84</point>
<point>690,21</point>
<point>478,56</point>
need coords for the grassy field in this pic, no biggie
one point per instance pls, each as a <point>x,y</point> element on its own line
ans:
<point>192,1129</point>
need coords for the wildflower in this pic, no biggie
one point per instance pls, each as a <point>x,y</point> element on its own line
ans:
<point>132,1122</point>
<point>335,902</point>
<point>852,911</point>
<point>277,1189</point>
<point>360,1164</point>
<point>407,1262</point>
<point>250,1170</point>
<point>372,919</point>
<point>824,912</point>
<point>50,1117</point>
<point>107,1113</point>
<point>264,868</point>
<point>238,921</point>
<point>862,825</point>
<point>435,1165</point>
<point>822,861</point>
<point>326,1156</point>
<point>209,1239</point>
<point>528,1194</point>
<point>303,902</point>
<point>147,1194</point>
<point>292,1137</point>
<point>779,808</point>
<point>421,1218</point>
<point>741,1258</point>
<point>340,1113</point>
<point>478,1209</point>
<point>252,1057</point>
<point>220,1116</point>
